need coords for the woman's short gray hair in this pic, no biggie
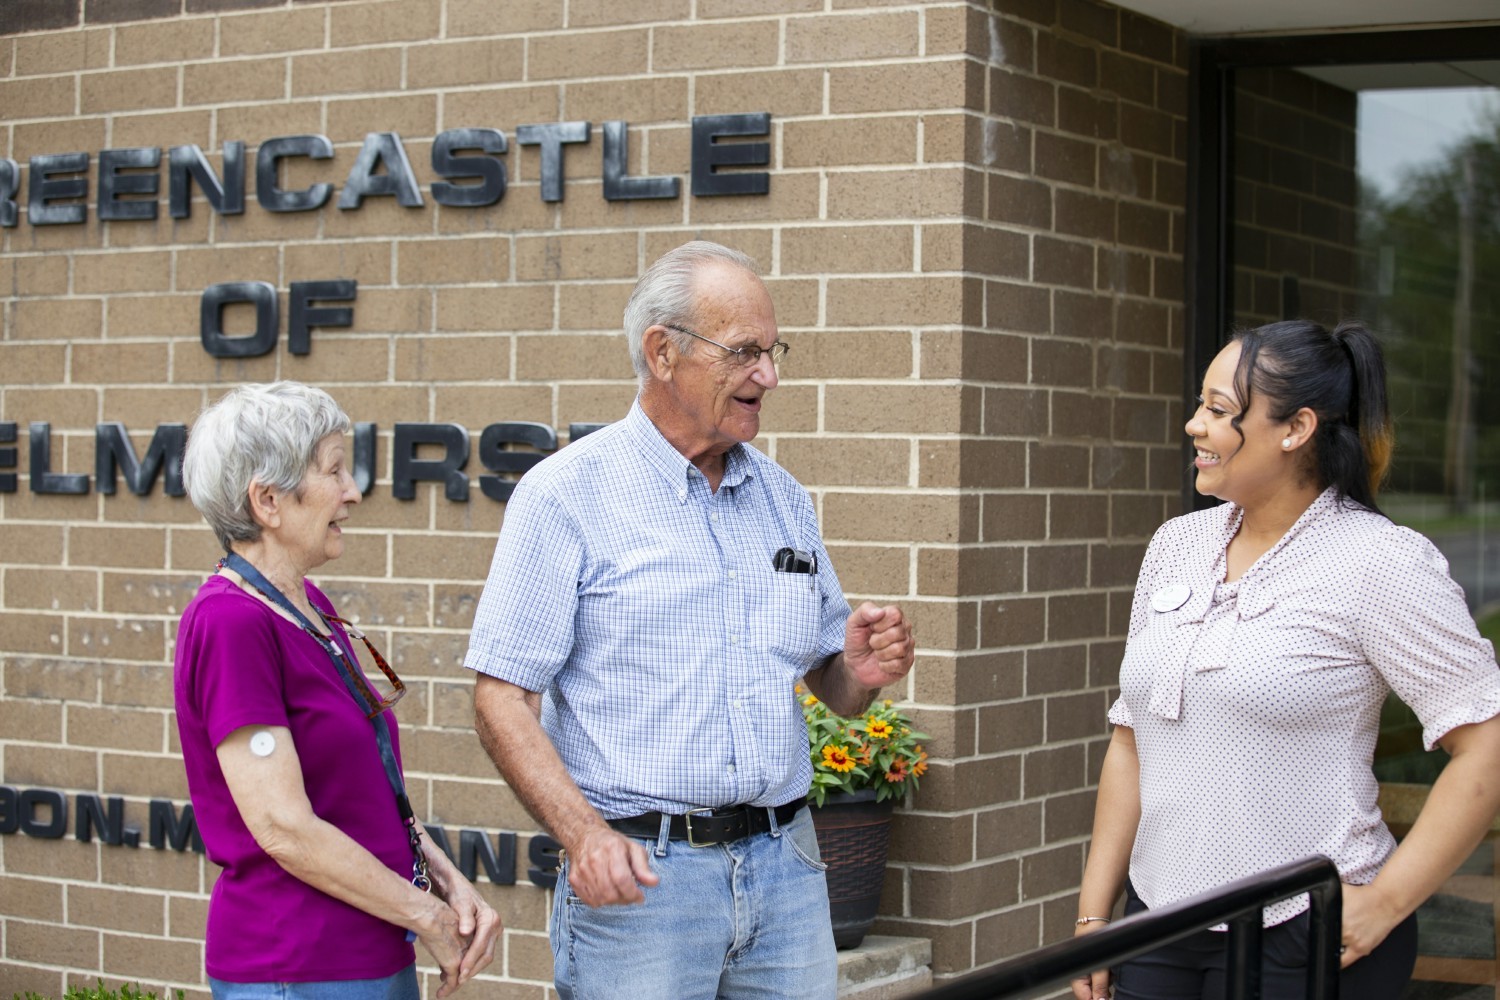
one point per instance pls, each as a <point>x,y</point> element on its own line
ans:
<point>257,433</point>
<point>665,295</point>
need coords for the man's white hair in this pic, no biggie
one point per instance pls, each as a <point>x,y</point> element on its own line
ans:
<point>666,295</point>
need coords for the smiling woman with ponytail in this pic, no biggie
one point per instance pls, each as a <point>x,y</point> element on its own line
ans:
<point>1264,637</point>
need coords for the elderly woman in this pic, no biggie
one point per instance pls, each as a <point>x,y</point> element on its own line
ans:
<point>292,755</point>
<point>1264,637</point>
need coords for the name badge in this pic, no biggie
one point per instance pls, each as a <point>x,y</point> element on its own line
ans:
<point>1170,598</point>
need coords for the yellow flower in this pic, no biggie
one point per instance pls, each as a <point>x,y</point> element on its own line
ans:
<point>888,703</point>
<point>878,728</point>
<point>810,701</point>
<point>836,758</point>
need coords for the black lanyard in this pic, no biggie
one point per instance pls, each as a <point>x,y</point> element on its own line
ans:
<point>345,666</point>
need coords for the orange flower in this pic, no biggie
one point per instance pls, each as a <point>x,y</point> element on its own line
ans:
<point>897,773</point>
<point>864,754</point>
<point>920,767</point>
<point>836,758</point>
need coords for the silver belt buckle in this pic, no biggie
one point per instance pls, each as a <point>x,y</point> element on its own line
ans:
<point>687,819</point>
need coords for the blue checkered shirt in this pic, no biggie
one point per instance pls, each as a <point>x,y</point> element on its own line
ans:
<point>646,609</point>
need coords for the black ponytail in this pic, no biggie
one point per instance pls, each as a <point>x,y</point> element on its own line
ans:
<point>1340,376</point>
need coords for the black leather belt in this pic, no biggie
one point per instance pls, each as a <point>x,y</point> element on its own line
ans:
<point>706,827</point>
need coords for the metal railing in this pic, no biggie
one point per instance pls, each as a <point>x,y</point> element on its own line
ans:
<point>1238,904</point>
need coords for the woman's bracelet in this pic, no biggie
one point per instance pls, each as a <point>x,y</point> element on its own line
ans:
<point>1090,920</point>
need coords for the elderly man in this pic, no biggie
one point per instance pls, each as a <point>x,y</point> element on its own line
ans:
<point>657,590</point>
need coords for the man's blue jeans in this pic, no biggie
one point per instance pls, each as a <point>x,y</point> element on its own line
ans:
<point>734,921</point>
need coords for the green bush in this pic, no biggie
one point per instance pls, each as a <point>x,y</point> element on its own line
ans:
<point>125,992</point>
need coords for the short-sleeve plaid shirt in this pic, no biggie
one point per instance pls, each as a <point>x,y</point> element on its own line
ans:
<point>645,607</point>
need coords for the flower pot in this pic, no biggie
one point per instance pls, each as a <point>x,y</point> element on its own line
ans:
<point>854,835</point>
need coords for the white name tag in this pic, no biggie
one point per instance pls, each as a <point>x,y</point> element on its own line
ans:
<point>1170,598</point>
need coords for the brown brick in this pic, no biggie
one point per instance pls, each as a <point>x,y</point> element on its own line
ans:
<point>896,517</point>
<point>872,302</point>
<point>845,461</point>
<point>120,362</point>
<point>44,55</point>
<point>593,13</point>
<point>34,942</point>
<point>153,957</point>
<point>51,767</point>
<point>34,275</point>
<point>126,90</point>
<point>114,909</point>
<point>1006,934</point>
<point>60,407</point>
<point>606,53</point>
<point>1065,159</point>
<point>1010,517</point>
<point>701,46</point>
<point>125,685</point>
<point>270,32</point>
<point>1130,78</point>
<point>115,728</point>
<point>834,38</point>
<point>894,409</point>
<point>122,272</point>
<point>1065,61</point>
<point>169,41</point>
<point>821,354</point>
<point>866,569</point>
<point>42,15</point>
<point>239,79</point>
<point>1099,21</point>
<point>144,776</point>
<point>789,91</point>
<point>951,895</point>
<point>1146,129</point>
<point>1024,98</point>
<point>52,589</point>
<point>116,638</point>
<point>575,257</point>
<point>1078,213</point>
<point>595,306</point>
<point>792,197</point>
<point>416,115</point>
<point>732,8</point>
<point>941,85</point>
<point>846,249</point>
<point>515,307</point>
<point>187,916</point>
<point>163,130</point>
<point>392,21</point>
<point>36,677</point>
<point>452,261</point>
<point>450,64</point>
<point>554,356</point>
<point>848,142</point>
<point>1010,306</point>
<point>358,72</point>
<point>37,722</point>
<point>32,899</point>
<point>279,118</point>
<point>440,359</point>
<point>481,17</point>
<point>35,319</point>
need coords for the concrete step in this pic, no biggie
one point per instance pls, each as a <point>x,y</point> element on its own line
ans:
<point>885,968</point>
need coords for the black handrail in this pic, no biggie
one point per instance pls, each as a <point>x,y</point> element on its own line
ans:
<point>1238,904</point>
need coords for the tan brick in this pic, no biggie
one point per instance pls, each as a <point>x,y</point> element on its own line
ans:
<point>254,122</point>
<point>164,42</point>
<point>115,909</point>
<point>595,306</point>
<point>602,403</point>
<point>122,272</point>
<point>54,589</point>
<point>905,194</point>
<point>40,677</point>
<point>34,275</point>
<point>61,52</point>
<point>401,311</point>
<point>144,776</point>
<point>831,461</point>
<point>521,104</point>
<point>34,942</point>
<point>163,870</point>
<point>453,64</point>
<point>151,316</point>
<point>51,859</point>
<point>52,319</point>
<point>414,115</point>
<point>952,138</point>
<point>115,728</point>
<point>153,958</point>
<point>117,638</point>
<point>702,46</point>
<point>846,249</point>
<point>135,685</point>
<point>452,359</point>
<point>576,257</point>
<point>825,354</point>
<point>872,302</point>
<point>51,767</point>
<point>272,31</point>
<point>162,131</point>
<point>732,8</point>
<point>222,81</point>
<point>838,37</point>
<point>452,261</point>
<point>481,17</point>
<point>512,307</point>
<point>789,91</point>
<point>35,722</point>
<point>866,569</point>
<point>906,518</point>
<point>142,409</point>
<point>37,544</point>
<point>366,71</point>
<point>792,197</point>
<point>120,362</point>
<point>635,100</point>
<point>793,410</point>
<point>606,53</point>
<point>568,356</point>
<point>367,263</point>
<point>187,916</point>
<point>381,510</point>
<point>32,899</point>
<point>197,269</point>
<point>391,21</point>
<point>127,90</point>
<point>593,13</point>
<point>941,85</point>
<point>59,406</point>
<point>485,804</point>
<point>848,142</point>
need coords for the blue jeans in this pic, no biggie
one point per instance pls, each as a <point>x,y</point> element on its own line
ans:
<point>401,986</point>
<point>748,919</point>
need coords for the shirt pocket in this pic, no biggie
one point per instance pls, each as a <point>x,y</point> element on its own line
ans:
<point>789,627</point>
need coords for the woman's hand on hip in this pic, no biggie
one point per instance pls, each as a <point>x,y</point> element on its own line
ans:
<point>1368,918</point>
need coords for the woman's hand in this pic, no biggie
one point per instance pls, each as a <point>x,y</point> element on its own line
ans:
<point>1368,918</point>
<point>477,922</point>
<point>1096,984</point>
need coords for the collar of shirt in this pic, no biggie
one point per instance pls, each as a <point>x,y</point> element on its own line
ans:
<point>672,465</point>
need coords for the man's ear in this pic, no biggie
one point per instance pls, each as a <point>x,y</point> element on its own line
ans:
<point>265,504</point>
<point>661,352</point>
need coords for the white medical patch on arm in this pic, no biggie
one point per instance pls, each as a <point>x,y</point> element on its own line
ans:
<point>262,743</point>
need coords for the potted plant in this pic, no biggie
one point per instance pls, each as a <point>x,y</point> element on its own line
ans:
<point>861,768</point>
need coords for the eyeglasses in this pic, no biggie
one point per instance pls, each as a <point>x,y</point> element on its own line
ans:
<point>372,698</point>
<point>747,356</point>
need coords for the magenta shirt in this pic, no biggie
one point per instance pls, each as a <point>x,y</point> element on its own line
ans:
<point>238,663</point>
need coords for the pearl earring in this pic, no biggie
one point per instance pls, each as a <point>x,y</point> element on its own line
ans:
<point>1286,442</point>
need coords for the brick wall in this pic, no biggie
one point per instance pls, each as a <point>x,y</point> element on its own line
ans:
<point>973,237</point>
